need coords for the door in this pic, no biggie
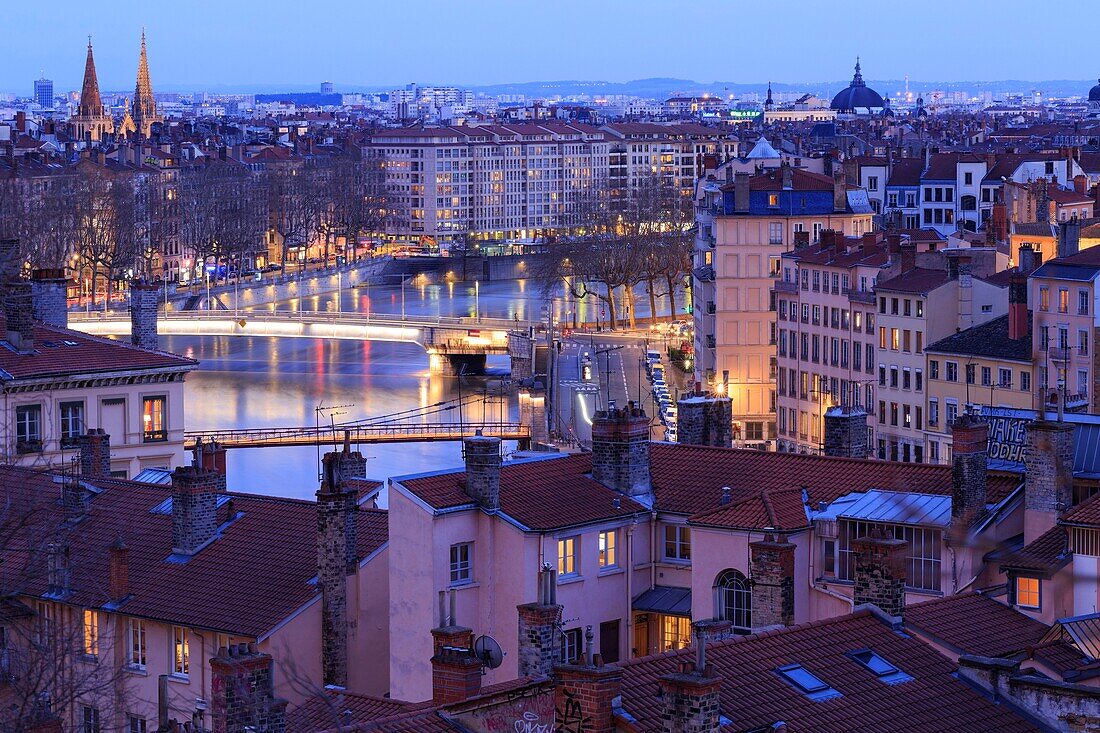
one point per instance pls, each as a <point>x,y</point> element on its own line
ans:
<point>641,635</point>
<point>609,641</point>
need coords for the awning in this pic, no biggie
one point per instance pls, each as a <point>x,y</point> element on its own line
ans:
<point>663,599</point>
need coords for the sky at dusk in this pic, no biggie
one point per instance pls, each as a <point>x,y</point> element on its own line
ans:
<point>296,45</point>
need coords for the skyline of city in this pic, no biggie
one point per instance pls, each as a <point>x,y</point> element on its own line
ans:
<point>248,50</point>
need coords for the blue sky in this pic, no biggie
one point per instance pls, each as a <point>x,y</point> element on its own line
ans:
<point>297,44</point>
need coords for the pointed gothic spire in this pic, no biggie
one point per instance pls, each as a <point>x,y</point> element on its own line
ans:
<point>91,104</point>
<point>144,108</point>
<point>857,79</point>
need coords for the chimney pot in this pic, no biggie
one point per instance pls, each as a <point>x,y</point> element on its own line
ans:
<point>143,314</point>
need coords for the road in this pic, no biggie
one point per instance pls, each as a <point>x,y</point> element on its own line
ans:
<point>617,371</point>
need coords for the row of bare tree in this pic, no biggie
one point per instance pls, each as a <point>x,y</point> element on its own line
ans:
<point>104,222</point>
<point>622,242</point>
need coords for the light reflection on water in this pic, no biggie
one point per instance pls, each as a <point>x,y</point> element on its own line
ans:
<point>258,382</point>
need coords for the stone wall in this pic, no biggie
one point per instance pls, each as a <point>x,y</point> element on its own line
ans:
<point>846,432</point>
<point>483,461</point>
<point>243,692</point>
<point>690,702</point>
<point>333,515</point>
<point>620,450</point>
<point>48,296</point>
<point>771,563</point>
<point>194,508</point>
<point>705,421</point>
<point>970,461</point>
<point>539,636</point>
<point>95,454</point>
<point>1062,706</point>
<point>143,314</point>
<point>880,573</point>
<point>1048,465</point>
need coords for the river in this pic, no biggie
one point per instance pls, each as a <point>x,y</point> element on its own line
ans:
<point>259,382</point>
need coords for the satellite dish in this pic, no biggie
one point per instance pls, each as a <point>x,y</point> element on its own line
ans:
<point>488,651</point>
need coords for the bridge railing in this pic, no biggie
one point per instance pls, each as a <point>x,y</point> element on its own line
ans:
<point>356,433</point>
<point>343,317</point>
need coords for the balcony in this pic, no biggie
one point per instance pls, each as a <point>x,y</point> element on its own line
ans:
<point>782,286</point>
<point>704,274</point>
<point>1059,354</point>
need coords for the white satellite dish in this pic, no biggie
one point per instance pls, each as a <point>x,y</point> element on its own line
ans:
<point>488,651</point>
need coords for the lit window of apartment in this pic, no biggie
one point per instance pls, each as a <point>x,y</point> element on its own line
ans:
<point>567,556</point>
<point>675,632</point>
<point>677,542</point>
<point>181,652</point>
<point>461,563</point>
<point>609,550</point>
<point>1027,593</point>
<point>1063,300</point>
<point>153,421</point>
<point>1044,298</point>
<point>91,633</point>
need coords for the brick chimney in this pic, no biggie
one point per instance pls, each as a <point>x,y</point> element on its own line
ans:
<point>119,571</point>
<point>194,509</point>
<point>969,465</point>
<point>741,193</point>
<point>242,688</point>
<point>336,506</point>
<point>1081,184</point>
<point>840,189</point>
<point>1069,237</point>
<point>690,695</point>
<point>211,457</point>
<point>1048,475</point>
<point>881,571</point>
<point>483,461</point>
<point>143,314</point>
<point>584,693</point>
<point>1017,306</point>
<point>620,451</point>
<point>801,239</point>
<point>19,315</point>
<point>846,432</point>
<point>771,566</point>
<point>998,221</point>
<point>456,672</point>
<point>95,454</point>
<point>1030,259</point>
<point>74,500</point>
<point>540,628</point>
<point>704,420</point>
<point>907,257</point>
<point>49,297</point>
<point>965,293</point>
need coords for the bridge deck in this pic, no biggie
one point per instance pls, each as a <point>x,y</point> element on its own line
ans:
<point>408,433</point>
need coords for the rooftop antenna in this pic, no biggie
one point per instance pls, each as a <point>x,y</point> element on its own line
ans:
<point>330,411</point>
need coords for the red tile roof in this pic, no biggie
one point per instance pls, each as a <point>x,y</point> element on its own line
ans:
<point>1086,513</point>
<point>944,166</point>
<point>61,352</point>
<point>972,623</point>
<point>540,494</point>
<point>801,180</point>
<point>255,574</point>
<point>688,479</point>
<point>753,695</point>
<point>917,280</point>
<point>906,172</point>
<point>323,712</point>
<point>778,509</point>
<point>1044,555</point>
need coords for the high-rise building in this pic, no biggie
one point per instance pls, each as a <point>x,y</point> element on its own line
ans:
<point>144,110</point>
<point>43,93</point>
<point>91,121</point>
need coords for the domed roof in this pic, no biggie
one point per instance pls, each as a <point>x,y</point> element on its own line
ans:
<point>1094,93</point>
<point>857,96</point>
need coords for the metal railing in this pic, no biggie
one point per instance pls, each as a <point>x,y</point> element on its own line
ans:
<point>370,433</point>
<point>349,317</point>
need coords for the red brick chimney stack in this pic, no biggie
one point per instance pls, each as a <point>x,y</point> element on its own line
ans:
<point>1017,306</point>
<point>119,571</point>
<point>456,672</point>
<point>584,693</point>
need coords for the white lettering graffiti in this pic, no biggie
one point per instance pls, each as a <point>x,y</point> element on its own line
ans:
<point>530,724</point>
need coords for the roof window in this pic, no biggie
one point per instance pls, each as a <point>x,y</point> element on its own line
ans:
<point>806,682</point>
<point>879,667</point>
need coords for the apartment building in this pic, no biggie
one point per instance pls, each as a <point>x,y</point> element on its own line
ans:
<point>916,307</point>
<point>669,153</point>
<point>492,183</point>
<point>990,365</point>
<point>825,308</point>
<point>58,384</point>
<point>1062,294</point>
<point>744,227</point>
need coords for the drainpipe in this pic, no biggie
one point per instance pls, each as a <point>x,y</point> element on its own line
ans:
<point>629,585</point>
<point>202,653</point>
<point>812,573</point>
<point>653,549</point>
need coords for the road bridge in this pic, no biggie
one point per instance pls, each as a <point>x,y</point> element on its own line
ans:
<point>454,345</point>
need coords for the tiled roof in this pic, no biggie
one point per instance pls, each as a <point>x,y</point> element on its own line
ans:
<point>1044,555</point>
<point>540,494</point>
<point>917,280</point>
<point>944,166</point>
<point>60,352</point>
<point>906,172</point>
<point>778,509</point>
<point>322,712</point>
<point>753,695</point>
<point>1087,512</point>
<point>688,479</point>
<point>989,339</point>
<point>971,623</point>
<point>801,180</point>
<point>853,253</point>
<point>256,573</point>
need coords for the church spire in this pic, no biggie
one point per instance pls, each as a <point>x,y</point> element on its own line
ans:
<point>91,104</point>
<point>857,79</point>
<point>144,109</point>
